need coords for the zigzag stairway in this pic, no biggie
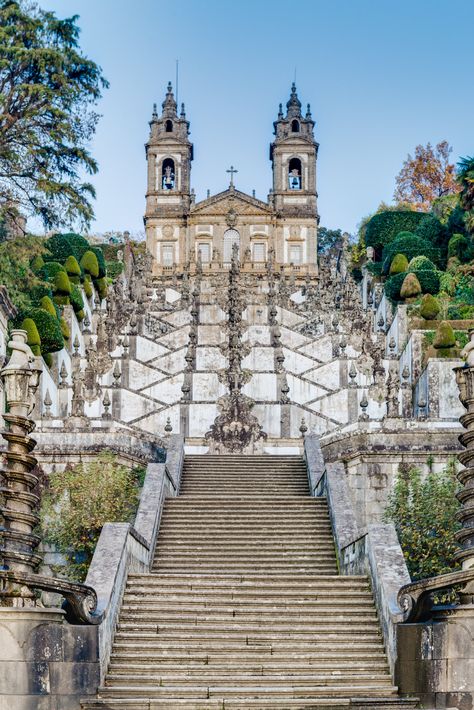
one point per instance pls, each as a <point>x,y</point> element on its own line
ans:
<point>244,607</point>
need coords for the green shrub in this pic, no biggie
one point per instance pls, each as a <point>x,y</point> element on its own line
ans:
<point>461,246</point>
<point>374,267</point>
<point>434,232</point>
<point>66,333</point>
<point>34,340</point>
<point>115,268</point>
<point>73,269</point>
<point>80,315</point>
<point>48,328</point>
<point>411,287</point>
<point>420,262</point>
<point>456,223</point>
<point>88,288</point>
<point>50,269</point>
<point>100,261</point>
<point>63,245</point>
<point>411,246</point>
<point>399,264</point>
<point>383,227</point>
<point>429,308</point>
<point>37,263</point>
<point>77,302</point>
<point>424,515</point>
<point>464,290</point>
<point>62,285</point>
<point>393,285</point>
<point>444,338</point>
<point>429,280</point>
<point>48,358</point>
<point>47,304</point>
<point>102,287</point>
<point>81,500</point>
<point>446,283</point>
<point>90,264</point>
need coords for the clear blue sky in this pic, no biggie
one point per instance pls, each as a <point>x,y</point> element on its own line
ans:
<point>381,77</point>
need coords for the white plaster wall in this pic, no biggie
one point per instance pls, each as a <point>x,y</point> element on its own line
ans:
<point>208,358</point>
<point>302,391</point>
<point>327,375</point>
<point>262,386</point>
<point>148,350</point>
<point>206,387</point>
<point>201,418</point>
<point>260,359</point>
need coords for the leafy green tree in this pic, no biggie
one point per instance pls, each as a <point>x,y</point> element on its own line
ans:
<point>424,514</point>
<point>48,90</point>
<point>328,238</point>
<point>465,178</point>
<point>16,272</point>
<point>80,500</point>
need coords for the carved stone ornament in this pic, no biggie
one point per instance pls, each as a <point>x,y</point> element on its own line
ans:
<point>235,428</point>
<point>231,218</point>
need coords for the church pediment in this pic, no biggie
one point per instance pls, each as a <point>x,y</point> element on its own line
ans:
<point>230,201</point>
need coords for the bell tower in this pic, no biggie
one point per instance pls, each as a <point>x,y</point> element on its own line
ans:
<point>293,154</point>
<point>169,154</point>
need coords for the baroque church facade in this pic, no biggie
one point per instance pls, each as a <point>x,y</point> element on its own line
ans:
<point>180,230</point>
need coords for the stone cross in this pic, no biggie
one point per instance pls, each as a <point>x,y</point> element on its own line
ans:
<point>232,170</point>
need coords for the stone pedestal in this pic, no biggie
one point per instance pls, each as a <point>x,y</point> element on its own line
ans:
<point>45,663</point>
<point>436,660</point>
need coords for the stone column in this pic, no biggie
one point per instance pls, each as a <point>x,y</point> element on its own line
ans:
<point>465,536</point>
<point>19,505</point>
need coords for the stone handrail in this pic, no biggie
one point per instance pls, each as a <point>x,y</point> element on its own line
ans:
<point>375,551</point>
<point>415,599</point>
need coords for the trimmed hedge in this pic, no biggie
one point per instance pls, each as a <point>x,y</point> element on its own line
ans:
<point>411,287</point>
<point>48,329</point>
<point>90,264</point>
<point>76,300</point>
<point>434,232</point>
<point>88,287</point>
<point>62,285</point>
<point>393,285</point>
<point>73,269</point>
<point>63,245</point>
<point>34,340</point>
<point>384,227</point>
<point>429,280</point>
<point>47,304</point>
<point>444,338</point>
<point>429,307</point>
<point>37,263</point>
<point>50,269</point>
<point>410,245</point>
<point>399,264</point>
<point>421,262</point>
<point>101,261</point>
<point>66,333</point>
<point>102,287</point>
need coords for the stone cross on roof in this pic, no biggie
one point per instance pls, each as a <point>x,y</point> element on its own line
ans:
<point>232,170</point>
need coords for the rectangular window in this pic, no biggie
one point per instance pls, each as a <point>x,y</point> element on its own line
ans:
<point>295,254</point>
<point>167,254</point>
<point>259,252</point>
<point>205,251</point>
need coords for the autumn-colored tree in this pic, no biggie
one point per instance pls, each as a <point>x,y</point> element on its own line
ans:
<point>426,176</point>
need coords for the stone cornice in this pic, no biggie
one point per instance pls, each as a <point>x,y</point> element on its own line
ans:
<point>231,195</point>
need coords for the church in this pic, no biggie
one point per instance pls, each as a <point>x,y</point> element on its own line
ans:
<point>181,230</point>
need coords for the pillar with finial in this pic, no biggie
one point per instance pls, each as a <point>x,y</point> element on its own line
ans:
<point>19,505</point>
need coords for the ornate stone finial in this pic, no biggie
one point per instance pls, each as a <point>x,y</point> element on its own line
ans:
<point>116,374</point>
<point>125,346</point>
<point>422,406</point>
<point>352,375</point>
<point>343,345</point>
<point>405,376</point>
<point>168,426</point>
<point>392,346</point>
<point>86,324</point>
<point>293,104</point>
<point>308,112</point>
<point>169,105</point>
<point>63,375</point>
<point>76,345</point>
<point>364,403</point>
<point>154,114</point>
<point>280,111</point>
<point>20,505</point>
<point>183,111</point>
<point>106,405</point>
<point>465,382</point>
<point>47,402</point>
<point>303,427</point>
<point>381,324</point>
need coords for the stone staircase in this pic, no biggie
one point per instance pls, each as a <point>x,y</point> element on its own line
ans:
<point>244,607</point>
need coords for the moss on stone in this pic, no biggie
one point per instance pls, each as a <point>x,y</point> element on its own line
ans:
<point>429,308</point>
<point>444,338</point>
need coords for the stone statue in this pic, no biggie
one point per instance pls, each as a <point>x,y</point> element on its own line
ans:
<point>467,353</point>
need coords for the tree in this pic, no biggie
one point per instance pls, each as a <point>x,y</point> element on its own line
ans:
<point>465,178</point>
<point>48,89</point>
<point>328,238</point>
<point>426,177</point>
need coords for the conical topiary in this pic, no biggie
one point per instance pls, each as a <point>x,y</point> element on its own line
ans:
<point>410,287</point>
<point>444,339</point>
<point>34,340</point>
<point>90,264</point>
<point>399,264</point>
<point>88,290</point>
<point>47,305</point>
<point>65,329</point>
<point>37,263</point>
<point>429,308</point>
<point>73,269</point>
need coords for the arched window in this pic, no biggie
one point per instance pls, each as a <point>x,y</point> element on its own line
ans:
<point>295,126</point>
<point>294,174</point>
<point>167,175</point>
<point>231,237</point>
<point>204,249</point>
<point>169,126</point>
